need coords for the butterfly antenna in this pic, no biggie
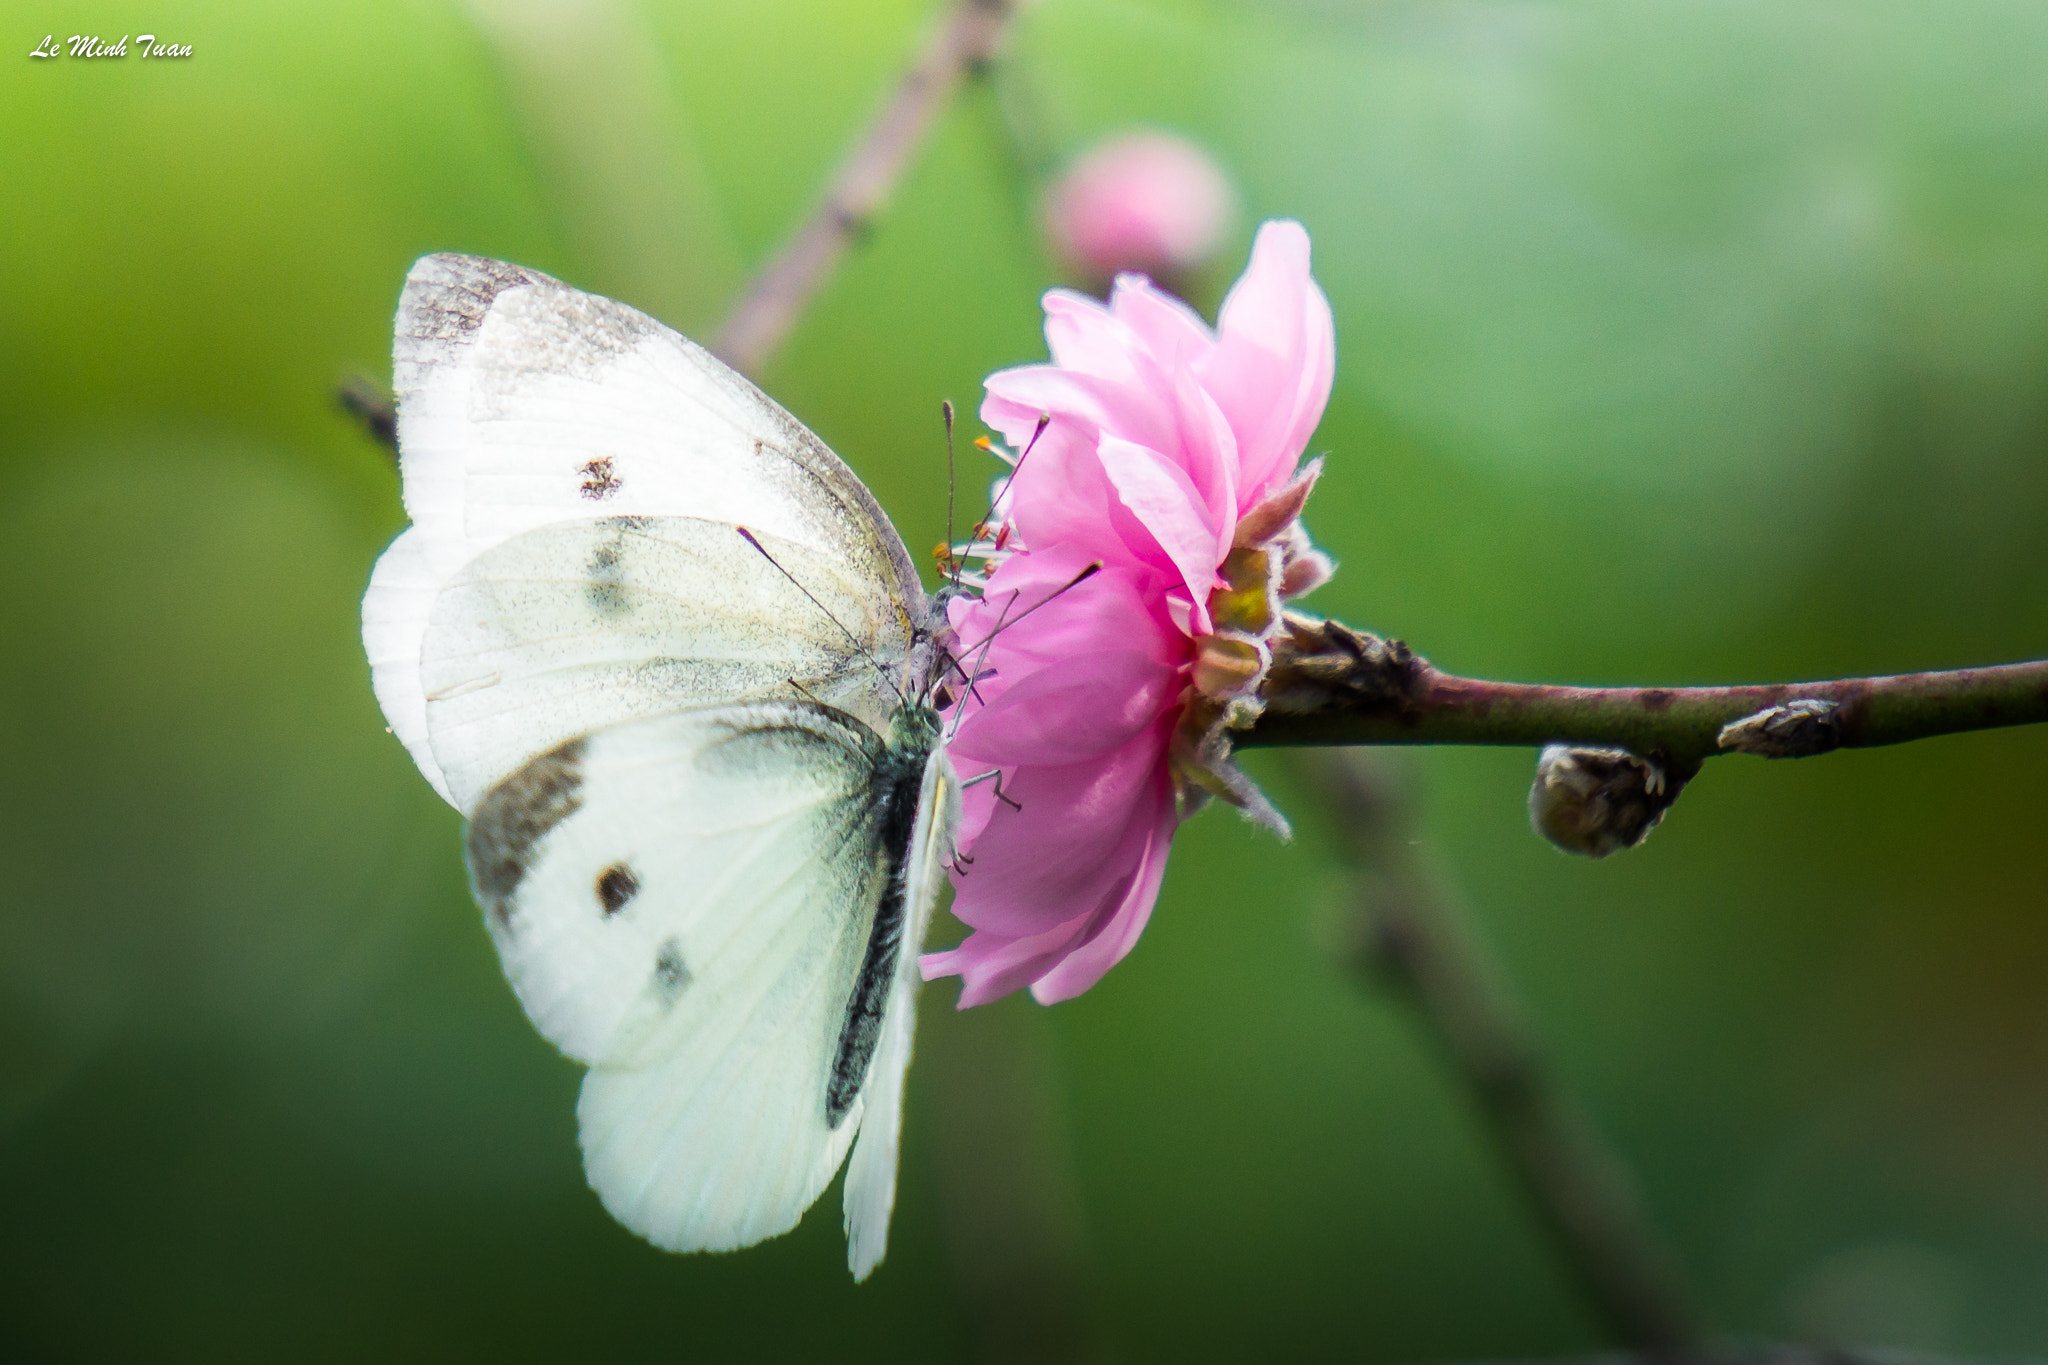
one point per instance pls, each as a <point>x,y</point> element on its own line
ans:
<point>1003,622</point>
<point>851,638</point>
<point>1044,421</point>
<point>1002,625</point>
<point>973,675</point>
<point>953,660</point>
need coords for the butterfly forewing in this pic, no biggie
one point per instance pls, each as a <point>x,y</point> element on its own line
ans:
<point>522,402</point>
<point>570,627</point>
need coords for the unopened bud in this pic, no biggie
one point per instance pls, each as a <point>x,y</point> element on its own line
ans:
<point>1597,801</point>
<point>1145,201</point>
<point>1793,729</point>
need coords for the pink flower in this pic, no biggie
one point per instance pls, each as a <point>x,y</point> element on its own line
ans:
<point>1141,201</point>
<point>1169,456</point>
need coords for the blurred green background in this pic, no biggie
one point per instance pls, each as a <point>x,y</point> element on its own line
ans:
<point>1677,342</point>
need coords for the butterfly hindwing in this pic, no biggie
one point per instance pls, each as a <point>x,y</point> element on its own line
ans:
<point>686,904</point>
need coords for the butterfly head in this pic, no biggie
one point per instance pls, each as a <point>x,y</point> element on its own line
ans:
<point>915,728</point>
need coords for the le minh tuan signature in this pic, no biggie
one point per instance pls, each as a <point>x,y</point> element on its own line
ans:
<point>146,46</point>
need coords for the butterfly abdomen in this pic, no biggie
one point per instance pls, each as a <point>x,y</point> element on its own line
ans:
<point>899,776</point>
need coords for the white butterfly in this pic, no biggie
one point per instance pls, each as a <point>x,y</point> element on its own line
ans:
<point>708,808</point>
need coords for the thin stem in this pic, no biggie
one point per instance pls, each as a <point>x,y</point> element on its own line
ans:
<point>1332,685</point>
<point>1410,935</point>
<point>373,408</point>
<point>1749,1352</point>
<point>965,39</point>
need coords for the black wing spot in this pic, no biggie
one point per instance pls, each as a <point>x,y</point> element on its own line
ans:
<point>615,886</point>
<point>605,588</point>
<point>513,818</point>
<point>599,480</point>
<point>670,973</point>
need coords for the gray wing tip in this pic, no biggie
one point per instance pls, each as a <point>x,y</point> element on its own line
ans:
<point>447,296</point>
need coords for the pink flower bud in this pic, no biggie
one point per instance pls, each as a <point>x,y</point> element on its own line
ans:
<point>1151,202</point>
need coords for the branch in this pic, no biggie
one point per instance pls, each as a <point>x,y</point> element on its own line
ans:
<point>758,323</point>
<point>1409,934</point>
<point>1749,1352</point>
<point>1333,685</point>
<point>372,407</point>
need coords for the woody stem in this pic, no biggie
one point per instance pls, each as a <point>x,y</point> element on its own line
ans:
<point>1332,685</point>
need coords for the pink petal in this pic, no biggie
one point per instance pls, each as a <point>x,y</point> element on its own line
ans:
<point>1319,368</point>
<point>1018,396</point>
<point>1073,502</point>
<point>1264,373</point>
<point>1084,965</point>
<point>1136,411</point>
<point>1085,337</point>
<point>1255,389</point>
<point>1265,306</point>
<point>1211,449</point>
<point>1062,494</point>
<point>1166,501</point>
<point>1175,333</point>
<point>1117,608</point>
<point>1081,830</point>
<point>1070,712</point>
<point>990,966</point>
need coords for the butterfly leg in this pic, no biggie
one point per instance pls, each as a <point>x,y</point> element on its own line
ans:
<point>997,774</point>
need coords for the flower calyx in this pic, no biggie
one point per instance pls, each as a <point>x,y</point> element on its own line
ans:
<point>1319,664</point>
<point>1270,562</point>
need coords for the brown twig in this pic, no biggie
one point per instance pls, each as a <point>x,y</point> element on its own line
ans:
<point>1333,685</point>
<point>1784,1353</point>
<point>373,408</point>
<point>965,38</point>
<point>1409,934</point>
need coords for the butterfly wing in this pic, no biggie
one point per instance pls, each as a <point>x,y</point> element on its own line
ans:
<point>523,402</point>
<point>577,625</point>
<point>686,903</point>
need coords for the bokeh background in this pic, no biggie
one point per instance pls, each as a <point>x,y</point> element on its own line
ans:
<point>1676,343</point>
